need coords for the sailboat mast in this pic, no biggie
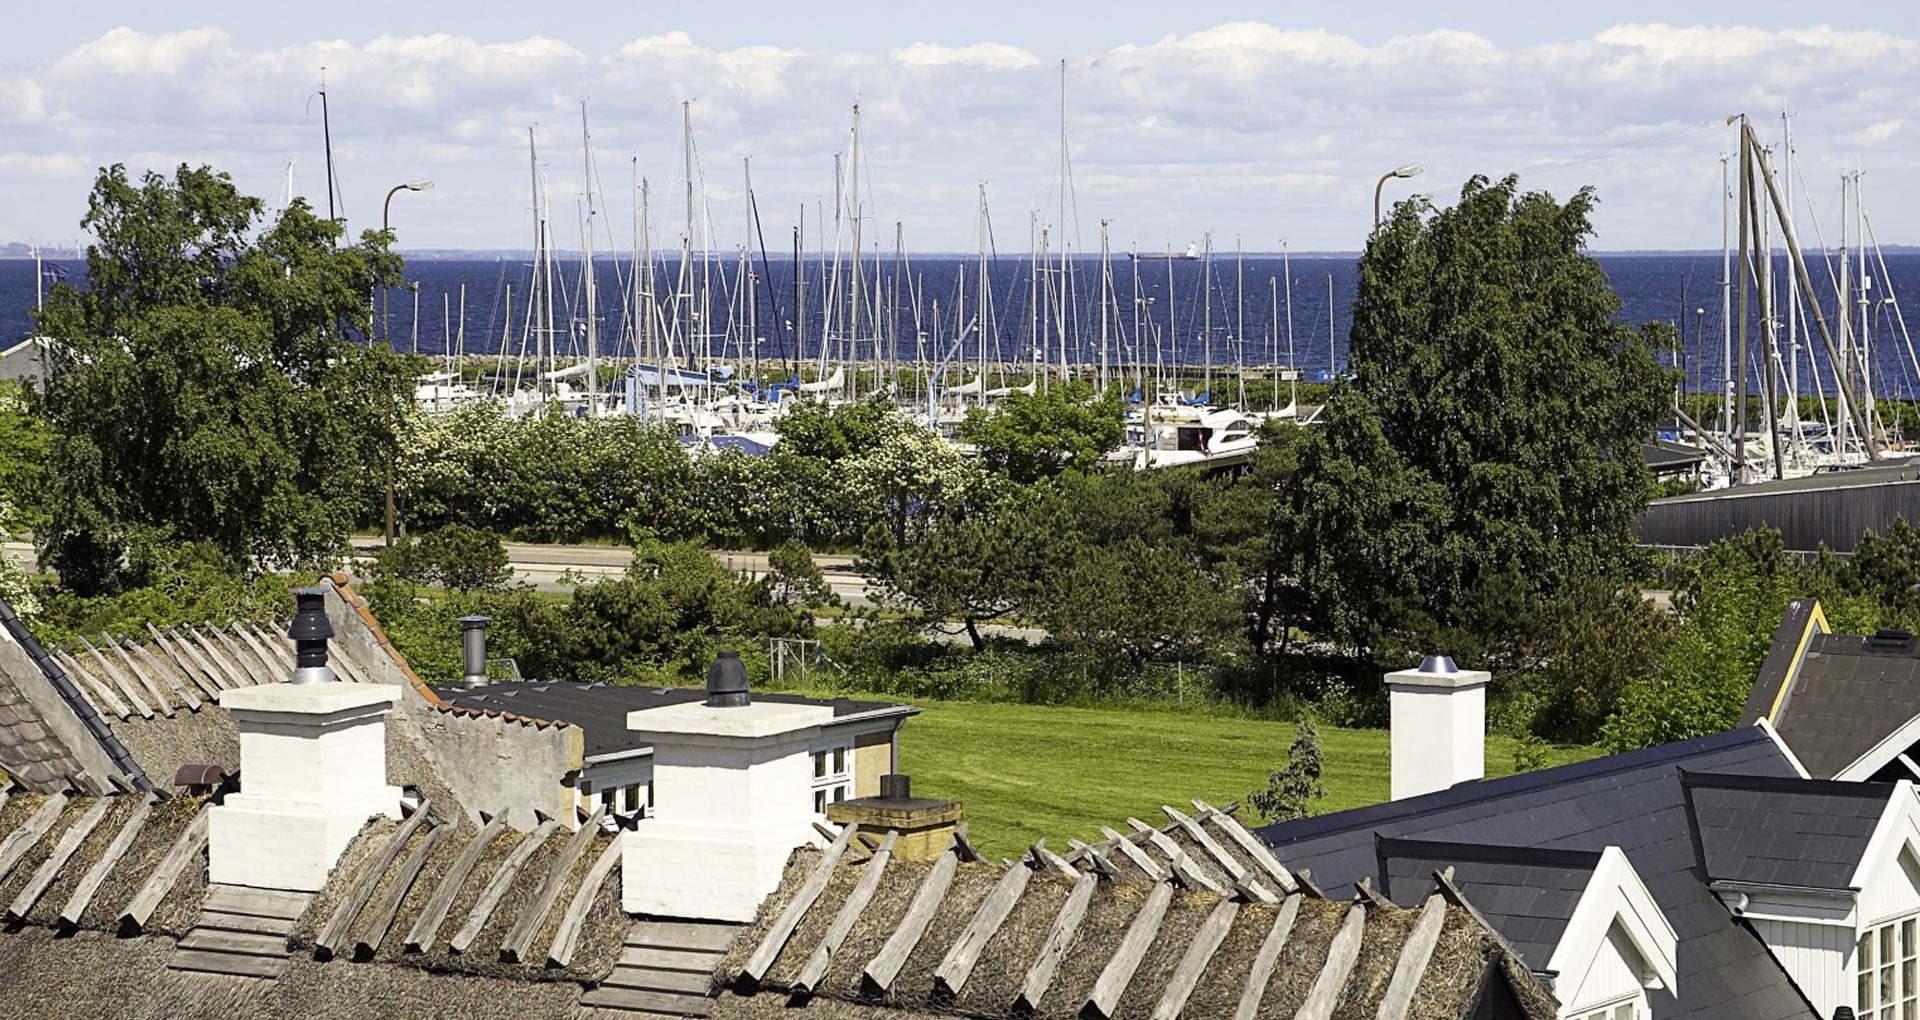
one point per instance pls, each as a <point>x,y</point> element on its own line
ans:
<point>1206,324</point>
<point>853,207</point>
<point>981,305</point>
<point>1106,291</point>
<point>1064,171</point>
<point>753,279</point>
<point>593,325</point>
<point>683,295</point>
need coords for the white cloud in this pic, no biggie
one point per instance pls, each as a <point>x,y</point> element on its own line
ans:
<point>1242,127</point>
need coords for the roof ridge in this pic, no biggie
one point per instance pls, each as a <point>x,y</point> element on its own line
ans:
<point>1785,784</point>
<point>343,585</point>
<point>1284,833</point>
<point>1490,853</point>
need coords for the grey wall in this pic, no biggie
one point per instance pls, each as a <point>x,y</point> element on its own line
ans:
<point>1807,518</point>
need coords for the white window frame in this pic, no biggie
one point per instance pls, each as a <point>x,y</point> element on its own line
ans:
<point>1612,1010</point>
<point>1888,989</point>
<point>831,768</point>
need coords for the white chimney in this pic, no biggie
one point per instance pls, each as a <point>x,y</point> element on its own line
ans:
<point>313,768</point>
<point>1439,719</point>
<point>733,798</point>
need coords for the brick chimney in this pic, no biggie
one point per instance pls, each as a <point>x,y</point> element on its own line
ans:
<point>313,767</point>
<point>733,798</point>
<point>1439,720</point>
<point>925,824</point>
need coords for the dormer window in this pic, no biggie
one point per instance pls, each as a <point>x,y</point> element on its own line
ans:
<point>1623,1010</point>
<point>1886,957</point>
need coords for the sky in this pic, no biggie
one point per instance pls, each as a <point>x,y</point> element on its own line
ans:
<point>1250,124</point>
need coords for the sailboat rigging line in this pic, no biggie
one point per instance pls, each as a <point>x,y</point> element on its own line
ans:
<point>1595,155</point>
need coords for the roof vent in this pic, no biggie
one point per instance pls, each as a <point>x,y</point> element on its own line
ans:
<point>727,682</point>
<point>310,630</point>
<point>1890,639</point>
<point>473,649</point>
<point>1438,664</point>
<point>896,786</point>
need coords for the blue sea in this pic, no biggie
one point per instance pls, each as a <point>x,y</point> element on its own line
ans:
<point>1248,323</point>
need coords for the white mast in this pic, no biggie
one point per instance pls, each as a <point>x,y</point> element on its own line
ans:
<point>1106,291</point>
<point>593,326</point>
<point>1726,313</point>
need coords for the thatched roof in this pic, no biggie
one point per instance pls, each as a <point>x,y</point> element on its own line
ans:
<point>1163,935</point>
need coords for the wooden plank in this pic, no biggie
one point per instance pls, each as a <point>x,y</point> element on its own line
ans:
<point>380,917</point>
<point>249,669</point>
<point>238,943</point>
<point>519,939</point>
<point>233,964</point>
<point>560,953</point>
<point>645,980</point>
<point>214,920</point>
<point>843,922</point>
<point>1096,860</point>
<point>1256,987</point>
<point>669,1003</point>
<point>188,681</point>
<point>226,675</point>
<point>1059,938</point>
<point>272,648</point>
<point>169,677</point>
<point>1444,879</point>
<point>1138,856</point>
<point>427,925</point>
<point>957,965</point>
<point>1045,858</point>
<point>690,961</point>
<point>90,883</point>
<point>186,847</point>
<point>63,849</point>
<point>154,695</point>
<point>1237,873</point>
<point>113,673</point>
<point>1332,980</point>
<point>1182,865</point>
<point>963,847</point>
<point>1251,845</point>
<point>885,965</point>
<point>194,686</point>
<point>361,888</point>
<point>343,664</point>
<point>1415,953</point>
<point>22,839</point>
<point>191,663</point>
<point>99,691</point>
<point>1119,971</point>
<point>1199,953</point>
<point>215,679</point>
<point>796,908</point>
<point>276,903</point>
<point>497,886</point>
<point>684,936</point>
<point>265,670</point>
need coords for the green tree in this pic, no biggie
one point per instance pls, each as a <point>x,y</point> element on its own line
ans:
<point>1292,788</point>
<point>1247,526</point>
<point>456,557</point>
<point>1038,435</point>
<point>1483,467</point>
<point>1135,600</point>
<point>24,442</point>
<point>970,568</point>
<point>212,384</point>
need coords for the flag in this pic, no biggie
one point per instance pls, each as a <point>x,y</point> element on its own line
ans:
<point>53,272</point>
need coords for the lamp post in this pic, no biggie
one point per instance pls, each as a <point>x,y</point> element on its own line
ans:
<point>1410,170</point>
<point>386,224</point>
<point>386,332</point>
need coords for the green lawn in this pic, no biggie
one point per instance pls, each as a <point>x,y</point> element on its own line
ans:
<point>1025,772</point>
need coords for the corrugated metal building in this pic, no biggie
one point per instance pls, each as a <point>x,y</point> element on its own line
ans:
<point>1833,509</point>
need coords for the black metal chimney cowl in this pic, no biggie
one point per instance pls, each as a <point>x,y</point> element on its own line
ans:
<point>727,682</point>
<point>310,630</point>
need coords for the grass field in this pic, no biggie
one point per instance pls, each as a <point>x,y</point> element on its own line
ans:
<point>1025,772</point>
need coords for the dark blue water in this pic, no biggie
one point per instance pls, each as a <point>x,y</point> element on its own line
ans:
<point>1248,310</point>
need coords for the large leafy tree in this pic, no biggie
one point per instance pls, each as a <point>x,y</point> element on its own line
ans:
<point>1483,466</point>
<point>213,384</point>
<point>1038,435</point>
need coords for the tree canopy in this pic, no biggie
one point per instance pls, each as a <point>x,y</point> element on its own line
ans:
<point>1037,435</point>
<point>213,383</point>
<point>1483,466</point>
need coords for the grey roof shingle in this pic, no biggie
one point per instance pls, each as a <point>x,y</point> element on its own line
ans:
<point>1633,801</point>
<point>1528,894</point>
<point>1806,833</point>
<point>1851,693</point>
<point>600,710</point>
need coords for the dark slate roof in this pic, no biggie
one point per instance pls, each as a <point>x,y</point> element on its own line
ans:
<point>1662,455</point>
<point>1806,833</point>
<point>30,748</point>
<point>1851,693</point>
<point>1633,801</point>
<point>1527,893</point>
<point>600,710</point>
<point>1783,656</point>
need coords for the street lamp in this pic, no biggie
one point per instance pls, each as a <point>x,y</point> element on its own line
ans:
<point>1410,170</point>
<point>386,225</point>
